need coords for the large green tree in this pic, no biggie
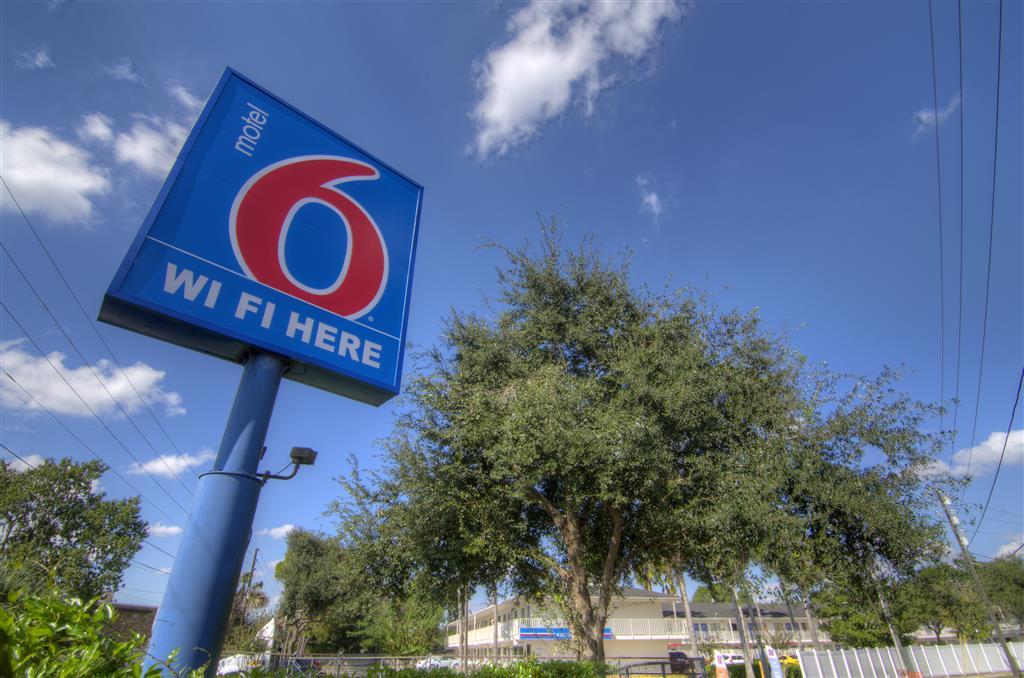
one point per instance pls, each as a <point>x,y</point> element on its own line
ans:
<point>587,429</point>
<point>567,434</point>
<point>55,527</point>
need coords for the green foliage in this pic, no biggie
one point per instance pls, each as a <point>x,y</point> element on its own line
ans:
<point>715,594</point>
<point>740,671</point>
<point>386,672</point>
<point>527,668</point>
<point>1003,579</point>
<point>588,430</point>
<point>53,636</point>
<point>941,596</point>
<point>54,528</point>
<point>335,589</point>
<point>401,626</point>
<point>560,445</point>
<point>853,617</point>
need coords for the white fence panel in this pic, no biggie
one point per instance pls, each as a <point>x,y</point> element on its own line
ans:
<point>931,661</point>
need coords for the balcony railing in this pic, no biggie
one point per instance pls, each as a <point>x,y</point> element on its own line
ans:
<point>668,629</point>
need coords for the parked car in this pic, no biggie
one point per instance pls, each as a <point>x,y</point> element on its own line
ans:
<point>438,662</point>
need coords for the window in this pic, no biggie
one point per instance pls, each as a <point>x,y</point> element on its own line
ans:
<point>789,627</point>
<point>803,626</point>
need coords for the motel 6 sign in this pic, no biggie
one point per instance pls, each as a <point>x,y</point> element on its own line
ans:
<point>272,232</point>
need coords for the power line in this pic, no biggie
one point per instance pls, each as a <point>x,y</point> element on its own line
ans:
<point>938,174</point>
<point>999,466</point>
<point>85,361</point>
<point>991,229</point>
<point>110,467</point>
<point>1016,550</point>
<point>960,294</point>
<point>166,553</point>
<point>88,407</point>
<point>128,588</point>
<point>18,456</point>
<point>150,567</point>
<point>92,324</point>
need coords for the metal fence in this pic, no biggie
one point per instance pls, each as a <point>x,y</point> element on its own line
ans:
<point>356,666</point>
<point>929,660</point>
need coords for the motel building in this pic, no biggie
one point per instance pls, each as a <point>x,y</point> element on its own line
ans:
<point>641,624</point>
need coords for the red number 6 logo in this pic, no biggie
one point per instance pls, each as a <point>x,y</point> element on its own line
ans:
<point>262,215</point>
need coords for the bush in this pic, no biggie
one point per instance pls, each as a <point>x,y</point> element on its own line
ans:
<point>527,668</point>
<point>48,635</point>
<point>738,671</point>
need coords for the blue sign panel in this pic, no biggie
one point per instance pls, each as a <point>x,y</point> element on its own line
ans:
<point>273,232</point>
<point>552,633</point>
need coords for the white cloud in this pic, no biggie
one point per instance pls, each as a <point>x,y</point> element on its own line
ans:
<point>35,374</point>
<point>164,570</point>
<point>558,52</point>
<point>123,69</point>
<point>984,457</point>
<point>48,175</point>
<point>925,118</point>
<point>151,145</point>
<point>95,127</point>
<point>165,464</point>
<point>36,59</point>
<point>26,462</point>
<point>185,97</point>
<point>96,487</point>
<point>1009,547</point>
<point>277,532</point>
<point>649,200</point>
<point>161,530</point>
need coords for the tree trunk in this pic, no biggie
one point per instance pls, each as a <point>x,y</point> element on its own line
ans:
<point>494,618</point>
<point>815,640</point>
<point>792,617</point>
<point>690,631</point>
<point>741,623</point>
<point>586,624</point>
<point>760,636</point>
<point>907,666</point>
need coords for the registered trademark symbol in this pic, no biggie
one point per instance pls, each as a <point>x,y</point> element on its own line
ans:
<point>370,318</point>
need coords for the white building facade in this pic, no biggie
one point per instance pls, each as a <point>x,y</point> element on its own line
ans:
<point>641,624</point>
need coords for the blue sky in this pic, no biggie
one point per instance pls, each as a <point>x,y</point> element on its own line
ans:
<point>780,154</point>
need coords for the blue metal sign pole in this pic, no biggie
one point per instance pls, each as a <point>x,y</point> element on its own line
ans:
<point>194,612</point>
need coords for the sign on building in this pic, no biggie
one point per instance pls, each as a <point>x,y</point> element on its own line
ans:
<point>274,233</point>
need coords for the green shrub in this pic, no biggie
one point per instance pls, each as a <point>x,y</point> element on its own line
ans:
<point>740,671</point>
<point>385,672</point>
<point>527,668</point>
<point>48,635</point>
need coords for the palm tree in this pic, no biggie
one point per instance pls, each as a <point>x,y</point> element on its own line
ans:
<point>671,580</point>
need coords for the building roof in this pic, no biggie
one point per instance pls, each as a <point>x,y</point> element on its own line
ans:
<point>635,592</point>
<point>132,607</point>
<point>728,610</point>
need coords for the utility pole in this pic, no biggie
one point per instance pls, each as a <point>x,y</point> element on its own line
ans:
<point>901,652</point>
<point>248,585</point>
<point>954,524</point>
